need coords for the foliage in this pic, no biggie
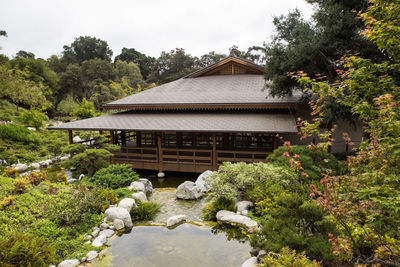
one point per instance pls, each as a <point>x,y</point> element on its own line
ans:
<point>232,178</point>
<point>20,185</point>
<point>89,161</point>
<point>67,105</point>
<point>114,176</point>
<point>211,208</point>
<point>23,249</point>
<point>298,223</point>
<point>364,204</point>
<point>145,211</point>
<point>314,162</point>
<point>288,257</point>
<point>145,63</point>
<point>86,48</point>
<point>84,110</point>
<point>15,132</point>
<point>34,118</point>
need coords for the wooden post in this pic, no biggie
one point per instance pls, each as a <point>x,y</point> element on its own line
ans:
<point>159,150</point>
<point>214,152</point>
<point>71,139</point>
<point>112,137</point>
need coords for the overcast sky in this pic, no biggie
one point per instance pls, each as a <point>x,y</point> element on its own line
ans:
<point>149,26</point>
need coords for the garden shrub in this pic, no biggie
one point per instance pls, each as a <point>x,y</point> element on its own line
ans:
<point>232,178</point>
<point>20,185</point>
<point>313,161</point>
<point>145,211</point>
<point>115,176</point>
<point>19,133</point>
<point>287,257</point>
<point>298,223</point>
<point>211,208</point>
<point>34,118</point>
<point>23,249</point>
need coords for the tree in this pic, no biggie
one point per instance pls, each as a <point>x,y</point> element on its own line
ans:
<point>84,110</point>
<point>172,65</point>
<point>145,63</point>
<point>314,47</point>
<point>86,48</point>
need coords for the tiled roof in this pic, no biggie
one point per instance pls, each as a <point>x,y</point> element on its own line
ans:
<point>218,89</point>
<point>187,122</point>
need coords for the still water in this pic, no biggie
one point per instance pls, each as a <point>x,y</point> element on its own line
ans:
<point>197,243</point>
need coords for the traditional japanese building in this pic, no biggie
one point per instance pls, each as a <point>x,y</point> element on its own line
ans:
<point>223,112</point>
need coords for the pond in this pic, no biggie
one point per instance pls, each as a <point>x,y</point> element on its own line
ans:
<point>196,243</point>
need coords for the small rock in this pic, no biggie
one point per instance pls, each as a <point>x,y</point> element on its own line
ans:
<point>251,262</point>
<point>243,205</point>
<point>261,254</point>
<point>138,186</point>
<point>99,241</point>
<point>91,255</point>
<point>69,263</point>
<point>173,220</point>
<point>35,165</point>
<point>188,190</point>
<point>148,186</point>
<point>95,231</point>
<point>128,204</point>
<point>119,213</point>
<point>118,224</point>
<point>140,196</point>
<point>232,218</point>
<point>104,226</point>
<point>107,233</point>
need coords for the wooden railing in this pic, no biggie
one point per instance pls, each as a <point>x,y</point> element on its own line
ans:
<point>183,159</point>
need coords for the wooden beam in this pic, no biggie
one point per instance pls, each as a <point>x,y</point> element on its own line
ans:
<point>71,139</point>
<point>112,137</point>
<point>214,152</point>
<point>159,150</point>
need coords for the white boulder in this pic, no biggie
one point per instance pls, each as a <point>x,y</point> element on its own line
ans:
<point>118,224</point>
<point>201,181</point>
<point>148,186</point>
<point>140,196</point>
<point>113,213</point>
<point>127,203</point>
<point>21,167</point>
<point>69,263</point>
<point>77,139</point>
<point>107,233</point>
<point>138,186</point>
<point>251,262</point>
<point>233,218</point>
<point>99,241</point>
<point>188,190</point>
<point>242,207</point>
<point>91,255</point>
<point>173,220</point>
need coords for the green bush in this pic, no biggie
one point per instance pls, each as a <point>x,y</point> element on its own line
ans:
<point>114,176</point>
<point>145,211</point>
<point>298,223</point>
<point>34,118</point>
<point>17,133</point>
<point>314,162</point>
<point>84,110</point>
<point>22,249</point>
<point>231,179</point>
<point>211,208</point>
<point>287,257</point>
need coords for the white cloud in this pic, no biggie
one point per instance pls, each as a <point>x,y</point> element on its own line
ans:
<point>150,26</point>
